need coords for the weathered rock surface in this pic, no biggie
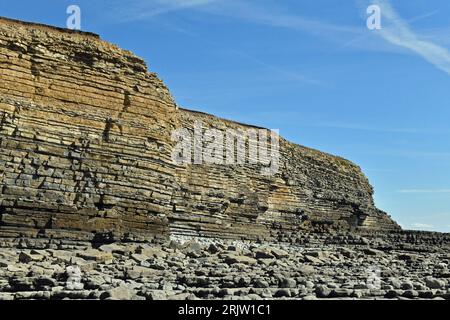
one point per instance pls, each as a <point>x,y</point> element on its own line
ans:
<point>236,270</point>
<point>84,136</point>
<point>85,155</point>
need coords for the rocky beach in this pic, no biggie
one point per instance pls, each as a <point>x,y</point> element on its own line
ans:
<point>401,266</point>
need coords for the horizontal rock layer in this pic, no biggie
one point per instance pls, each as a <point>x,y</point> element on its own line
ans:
<point>85,136</point>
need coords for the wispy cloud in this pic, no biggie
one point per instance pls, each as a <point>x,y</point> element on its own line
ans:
<point>404,153</point>
<point>262,13</point>
<point>424,191</point>
<point>397,31</point>
<point>418,225</point>
<point>365,37</point>
<point>394,39</point>
<point>142,9</point>
<point>365,127</point>
<point>277,16</point>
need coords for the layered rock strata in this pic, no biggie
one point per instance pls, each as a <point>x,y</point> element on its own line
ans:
<point>86,154</point>
<point>312,190</point>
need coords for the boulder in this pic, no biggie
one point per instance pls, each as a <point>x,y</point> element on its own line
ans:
<point>233,258</point>
<point>434,283</point>
<point>25,257</point>
<point>119,293</point>
<point>96,255</point>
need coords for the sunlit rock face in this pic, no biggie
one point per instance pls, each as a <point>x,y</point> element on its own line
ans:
<point>86,134</point>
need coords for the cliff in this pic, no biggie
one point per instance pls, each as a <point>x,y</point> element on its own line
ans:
<point>86,154</point>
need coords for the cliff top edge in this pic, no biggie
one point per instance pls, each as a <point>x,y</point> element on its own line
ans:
<point>48,27</point>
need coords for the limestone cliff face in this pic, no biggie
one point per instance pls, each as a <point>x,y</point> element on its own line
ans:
<point>312,191</point>
<point>85,135</point>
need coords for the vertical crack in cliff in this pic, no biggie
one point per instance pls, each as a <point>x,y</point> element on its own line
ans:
<point>2,211</point>
<point>126,102</point>
<point>78,152</point>
<point>109,122</point>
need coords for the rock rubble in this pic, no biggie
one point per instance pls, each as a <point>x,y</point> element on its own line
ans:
<point>219,269</point>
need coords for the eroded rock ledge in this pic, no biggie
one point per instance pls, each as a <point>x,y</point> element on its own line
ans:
<point>85,137</point>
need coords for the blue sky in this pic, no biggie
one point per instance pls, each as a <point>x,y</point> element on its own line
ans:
<point>312,69</point>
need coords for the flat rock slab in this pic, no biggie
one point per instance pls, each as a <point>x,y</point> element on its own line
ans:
<point>96,255</point>
<point>227,269</point>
